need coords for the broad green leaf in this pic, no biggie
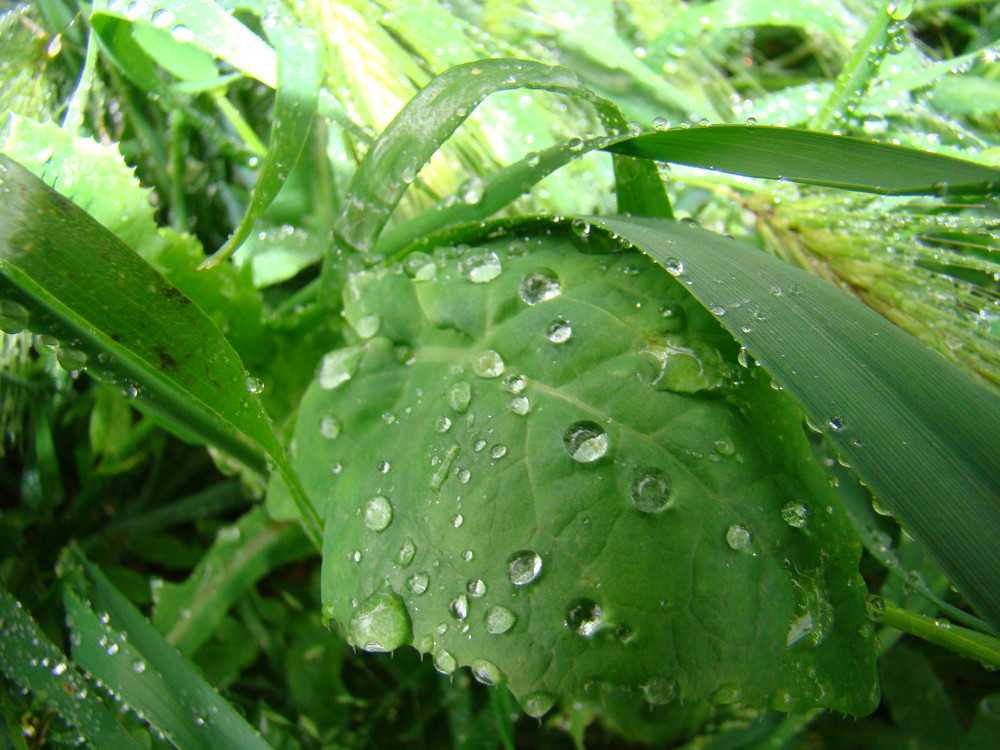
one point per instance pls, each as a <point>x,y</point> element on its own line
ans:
<point>31,661</point>
<point>918,431</point>
<point>549,466</point>
<point>814,159</point>
<point>431,117</point>
<point>188,613</point>
<point>119,647</point>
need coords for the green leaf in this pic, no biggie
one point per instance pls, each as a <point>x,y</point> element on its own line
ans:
<point>917,430</point>
<point>548,466</point>
<point>243,553</point>
<point>30,660</point>
<point>814,159</point>
<point>119,647</point>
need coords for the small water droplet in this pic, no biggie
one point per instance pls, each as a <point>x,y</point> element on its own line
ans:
<point>539,286</point>
<point>674,266</point>
<point>837,424</point>
<point>488,364</point>
<point>514,383</point>
<point>751,121</point>
<point>499,620</point>
<point>520,405</point>
<point>442,424</point>
<point>659,691</point>
<point>583,616</point>
<point>254,385</point>
<point>651,490</point>
<point>14,317</point>
<point>459,607</point>
<point>523,567</point>
<point>407,551</point>
<point>795,515</point>
<point>498,451</point>
<point>476,588</point>
<point>536,705</point>
<point>480,267</point>
<point>418,583</point>
<point>378,513</point>
<point>444,662</point>
<point>661,124</point>
<point>380,623</point>
<point>487,672</point>
<point>585,441</point>
<point>457,520</point>
<point>138,666</point>
<point>738,537</point>
<point>329,427</point>
<point>459,396</point>
<point>559,331</point>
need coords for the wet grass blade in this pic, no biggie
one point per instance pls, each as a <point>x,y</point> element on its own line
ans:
<point>299,78</point>
<point>119,647</point>
<point>874,389</point>
<point>814,159</point>
<point>76,281</point>
<point>31,661</point>
<point>431,117</point>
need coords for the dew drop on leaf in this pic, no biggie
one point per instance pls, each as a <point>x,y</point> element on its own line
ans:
<point>498,451</point>
<point>488,364</point>
<point>651,490</point>
<point>499,620</point>
<point>659,691</point>
<point>559,331</point>
<point>459,607</point>
<point>585,441</point>
<point>487,672</point>
<point>738,537</point>
<point>480,266</point>
<point>536,705</point>
<point>795,515</point>
<point>539,285</point>
<point>444,662</point>
<point>674,266</point>
<point>380,623</point>
<point>583,616</point>
<point>417,584</point>
<point>406,553</point>
<point>514,383</point>
<point>329,427</point>
<point>661,124</point>
<point>520,405</point>
<point>442,424</point>
<point>254,385</point>
<point>378,513</point>
<point>13,316</point>
<point>523,567</point>
<point>476,588</point>
<point>459,396</point>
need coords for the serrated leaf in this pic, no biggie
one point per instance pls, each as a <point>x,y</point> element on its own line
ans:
<point>548,466</point>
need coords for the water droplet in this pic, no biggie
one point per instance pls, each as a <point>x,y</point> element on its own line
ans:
<point>72,360</point>
<point>751,121</point>
<point>480,267</point>
<point>514,383</point>
<point>380,623</point>
<point>520,405</point>
<point>837,424</point>
<point>724,447</point>
<point>674,266</point>
<point>559,331</point>
<point>487,672</point>
<point>418,583</point>
<point>585,441</point>
<point>583,616</point>
<point>661,124</point>
<point>459,396</point>
<point>538,286</point>
<point>499,620</point>
<point>442,424</point>
<point>378,513</point>
<point>476,588</point>
<point>575,143</point>
<point>329,427</point>
<point>467,555</point>
<point>471,191</point>
<point>339,366</point>
<point>659,691</point>
<point>457,520</point>
<point>488,364</point>
<point>523,567</point>
<point>651,490</point>
<point>536,705</point>
<point>795,515</point>
<point>718,310</point>
<point>138,666</point>
<point>498,451</point>
<point>674,318</point>
<point>580,228</point>
<point>875,606</point>
<point>738,537</point>
<point>459,607</point>
<point>407,551</point>
<point>14,316</point>
<point>254,385</point>
<point>444,662</point>
<point>368,326</point>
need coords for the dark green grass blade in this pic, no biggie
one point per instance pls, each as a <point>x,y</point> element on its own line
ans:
<point>916,429</point>
<point>815,159</point>
<point>299,79</point>
<point>31,661</point>
<point>430,118</point>
<point>118,646</point>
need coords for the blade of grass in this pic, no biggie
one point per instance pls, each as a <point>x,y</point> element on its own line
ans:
<point>430,118</point>
<point>299,78</point>
<point>30,660</point>
<point>814,159</point>
<point>970,643</point>
<point>80,283</point>
<point>117,645</point>
<point>877,392</point>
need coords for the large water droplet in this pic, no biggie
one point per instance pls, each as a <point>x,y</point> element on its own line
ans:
<point>380,623</point>
<point>523,567</point>
<point>659,691</point>
<point>520,405</point>
<point>559,331</point>
<point>378,513</point>
<point>14,316</point>
<point>539,285</point>
<point>585,441</point>
<point>499,620</point>
<point>488,364</point>
<point>738,537</point>
<point>459,396</point>
<point>444,662</point>
<point>583,616</point>
<point>476,588</point>
<point>339,366</point>
<point>674,266</point>
<point>480,266</point>
<point>487,672</point>
<point>514,383</point>
<point>72,360</point>
<point>536,705</point>
<point>651,490</point>
<point>417,584</point>
<point>329,427</point>
<point>459,607</point>
<point>406,553</point>
<point>795,515</point>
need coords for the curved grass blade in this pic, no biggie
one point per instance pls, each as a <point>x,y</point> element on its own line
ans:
<point>30,660</point>
<point>430,118</point>
<point>299,78</point>
<point>78,282</point>
<point>119,647</point>
<point>918,431</point>
<point>815,159</point>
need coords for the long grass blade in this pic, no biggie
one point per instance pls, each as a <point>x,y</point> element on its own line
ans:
<point>918,431</point>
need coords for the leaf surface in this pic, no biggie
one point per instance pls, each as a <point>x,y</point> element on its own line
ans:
<point>548,466</point>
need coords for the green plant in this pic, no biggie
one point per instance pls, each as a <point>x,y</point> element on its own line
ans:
<point>620,465</point>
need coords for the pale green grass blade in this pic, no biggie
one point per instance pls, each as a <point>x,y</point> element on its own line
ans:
<point>188,613</point>
<point>31,661</point>
<point>119,647</point>
<point>71,278</point>
<point>918,431</point>
<point>815,159</point>
<point>296,100</point>
<point>431,117</point>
